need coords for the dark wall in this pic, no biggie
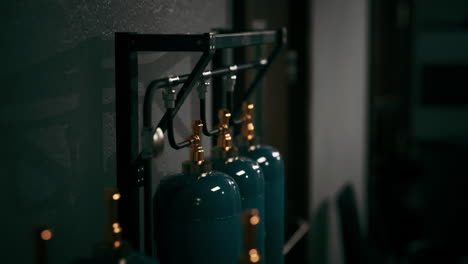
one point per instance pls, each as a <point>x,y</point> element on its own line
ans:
<point>57,111</point>
<point>417,130</point>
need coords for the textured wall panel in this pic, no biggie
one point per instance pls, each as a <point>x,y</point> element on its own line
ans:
<point>57,111</point>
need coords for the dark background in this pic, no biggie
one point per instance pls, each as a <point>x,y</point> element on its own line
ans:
<point>369,94</point>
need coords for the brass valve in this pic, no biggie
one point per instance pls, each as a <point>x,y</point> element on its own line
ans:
<point>224,136</point>
<point>197,163</point>
<point>197,154</point>
<point>248,128</point>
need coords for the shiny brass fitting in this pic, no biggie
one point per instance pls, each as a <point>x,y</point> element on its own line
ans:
<point>197,163</point>
<point>224,136</point>
<point>248,128</point>
<point>224,149</point>
<point>197,154</point>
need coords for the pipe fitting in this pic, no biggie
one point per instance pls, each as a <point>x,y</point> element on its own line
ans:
<point>202,87</point>
<point>169,93</point>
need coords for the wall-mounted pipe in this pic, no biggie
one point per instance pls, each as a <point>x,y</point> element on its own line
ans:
<point>172,81</point>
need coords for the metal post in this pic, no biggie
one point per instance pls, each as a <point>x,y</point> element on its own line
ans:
<point>126,81</point>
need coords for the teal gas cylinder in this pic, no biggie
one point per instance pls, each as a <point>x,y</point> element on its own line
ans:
<point>197,213</point>
<point>272,166</point>
<point>245,172</point>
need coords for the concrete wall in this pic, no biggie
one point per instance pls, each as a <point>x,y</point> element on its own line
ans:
<point>57,111</point>
<point>338,116</point>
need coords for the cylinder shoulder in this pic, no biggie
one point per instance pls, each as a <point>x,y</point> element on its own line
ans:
<point>262,153</point>
<point>243,168</point>
<point>213,194</point>
<point>209,184</point>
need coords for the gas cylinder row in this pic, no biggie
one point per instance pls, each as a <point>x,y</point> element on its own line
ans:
<point>198,212</point>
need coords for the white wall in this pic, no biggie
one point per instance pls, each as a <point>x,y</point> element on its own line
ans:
<point>338,113</point>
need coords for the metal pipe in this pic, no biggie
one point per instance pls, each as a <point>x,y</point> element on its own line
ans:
<point>188,83</point>
<point>236,68</point>
<point>243,39</point>
<point>155,85</point>
<point>203,118</point>
<point>200,42</point>
<point>149,98</point>
<point>230,100</point>
<point>170,132</point>
<point>162,83</point>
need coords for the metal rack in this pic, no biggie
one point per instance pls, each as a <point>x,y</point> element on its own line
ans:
<point>133,167</point>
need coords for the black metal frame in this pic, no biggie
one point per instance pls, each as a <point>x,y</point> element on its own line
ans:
<point>133,170</point>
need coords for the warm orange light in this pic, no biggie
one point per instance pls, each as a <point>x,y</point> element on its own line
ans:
<point>117,244</point>
<point>254,220</point>
<point>115,225</point>
<point>254,257</point>
<point>117,230</point>
<point>116,196</point>
<point>250,106</point>
<point>46,234</point>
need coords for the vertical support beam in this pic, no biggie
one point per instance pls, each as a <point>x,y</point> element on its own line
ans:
<point>126,81</point>
<point>148,207</point>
